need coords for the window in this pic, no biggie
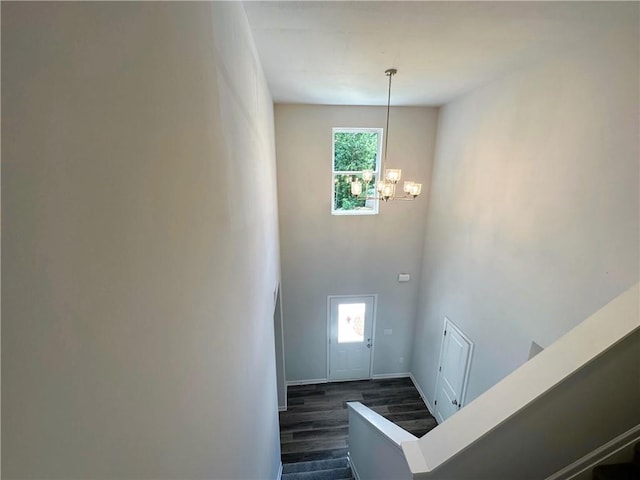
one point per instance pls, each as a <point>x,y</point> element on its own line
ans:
<point>355,150</point>
<point>351,322</point>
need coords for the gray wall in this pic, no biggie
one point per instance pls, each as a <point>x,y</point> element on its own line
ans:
<point>324,254</point>
<point>533,214</point>
<point>130,348</point>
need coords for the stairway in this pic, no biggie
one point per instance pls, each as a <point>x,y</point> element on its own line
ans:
<point>332,469</point>
<point>620,471</point>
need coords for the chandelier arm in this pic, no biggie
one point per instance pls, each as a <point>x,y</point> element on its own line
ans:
<point>396,197</point>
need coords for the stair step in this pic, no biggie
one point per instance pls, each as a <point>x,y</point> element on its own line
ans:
<point>617,471</point>
<point>315,465</point>
<point>331,474</point>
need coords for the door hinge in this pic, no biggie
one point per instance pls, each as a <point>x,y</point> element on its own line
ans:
<point>445,333</point>
<point>436,402</point>
<point>440,368</point>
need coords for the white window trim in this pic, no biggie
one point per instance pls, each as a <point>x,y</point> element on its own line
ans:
<point>380,132</point>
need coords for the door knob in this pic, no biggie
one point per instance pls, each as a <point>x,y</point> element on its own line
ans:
<point>368,345</point>
<point>455,402</point>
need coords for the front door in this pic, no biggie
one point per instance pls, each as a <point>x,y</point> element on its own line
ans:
<point>455,360</point>
<point>350,339</point>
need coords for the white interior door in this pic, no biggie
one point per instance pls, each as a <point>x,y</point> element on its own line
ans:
<point>350,337</point>
<point>455,360</point>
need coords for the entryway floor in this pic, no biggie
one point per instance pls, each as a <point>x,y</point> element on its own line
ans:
<point>315,425</point>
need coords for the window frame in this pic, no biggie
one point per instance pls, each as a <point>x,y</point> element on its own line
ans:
<point>334,173</point>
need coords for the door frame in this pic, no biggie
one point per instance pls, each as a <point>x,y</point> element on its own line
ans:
<point>373,331</point>
<point>449,325</point>
<point>278,333</point>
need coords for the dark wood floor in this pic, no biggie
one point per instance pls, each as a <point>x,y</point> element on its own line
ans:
<point>315,425</point>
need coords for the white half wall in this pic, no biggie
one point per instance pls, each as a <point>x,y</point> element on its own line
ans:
<point>575,395</point>
<point>342,255</point>
<point>137,336</point>
<point>533,214</point>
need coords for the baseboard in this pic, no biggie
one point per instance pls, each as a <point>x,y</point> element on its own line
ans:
<point>422,395</point>
<point>310,381</point>
<point>279,476</point>
<point>353,468</point>
<point>379,376</point>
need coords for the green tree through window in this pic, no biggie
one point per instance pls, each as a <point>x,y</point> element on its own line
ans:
<point>354,150</point>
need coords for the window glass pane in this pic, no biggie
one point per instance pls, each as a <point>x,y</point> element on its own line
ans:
<point>351,322</point>
<point>355,151</point>
<point>343,200</point>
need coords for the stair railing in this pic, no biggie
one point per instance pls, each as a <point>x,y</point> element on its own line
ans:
<point>375,445</point>
<point>454,448</point>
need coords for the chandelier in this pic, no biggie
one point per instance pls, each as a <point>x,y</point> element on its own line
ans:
<point>386,188</point>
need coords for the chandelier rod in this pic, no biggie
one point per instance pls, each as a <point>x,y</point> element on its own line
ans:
<point>390,73</point>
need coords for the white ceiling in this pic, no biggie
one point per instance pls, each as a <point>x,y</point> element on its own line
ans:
<point>336,53</point>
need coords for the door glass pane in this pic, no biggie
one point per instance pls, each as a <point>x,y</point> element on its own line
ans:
<point>351,322</point>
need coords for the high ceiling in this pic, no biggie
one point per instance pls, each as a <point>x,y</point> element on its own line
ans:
<point>336,52</point>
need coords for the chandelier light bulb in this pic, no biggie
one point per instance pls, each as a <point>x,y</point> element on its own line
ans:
<point>356,187</point>
<point>415,190</point>
<point>392,174</point>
